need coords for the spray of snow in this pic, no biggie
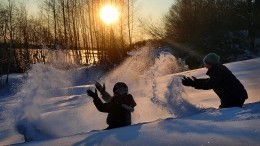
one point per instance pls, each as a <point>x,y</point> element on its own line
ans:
<point>142,72</point>
<point>43,83</point>
<point>53,103</point>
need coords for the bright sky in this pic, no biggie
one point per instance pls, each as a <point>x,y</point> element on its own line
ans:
<point>154,8</point>
<point>146,8</point>
<point>33,6</point>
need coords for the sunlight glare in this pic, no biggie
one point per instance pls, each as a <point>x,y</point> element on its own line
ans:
<point>109,14</point>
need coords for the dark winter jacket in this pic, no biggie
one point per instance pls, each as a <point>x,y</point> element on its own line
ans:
<point>129,101</point>
<point>229,89</point>
<point>117,115</point>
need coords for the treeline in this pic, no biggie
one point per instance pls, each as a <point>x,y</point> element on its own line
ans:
<point>192,28</point>
<point>65,25</point>
<point>226,27</point>
<point>75,24</point>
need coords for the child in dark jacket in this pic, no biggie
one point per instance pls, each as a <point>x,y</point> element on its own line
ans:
<point>120,89</point>
<point>224,83</point>
<point>118,107</point>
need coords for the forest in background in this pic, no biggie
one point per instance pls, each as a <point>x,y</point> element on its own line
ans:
<point>191,28</point>
<point>227,27</point>
<point>63,25</point>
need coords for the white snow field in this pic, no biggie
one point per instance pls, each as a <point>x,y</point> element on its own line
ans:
<point>50,106</point>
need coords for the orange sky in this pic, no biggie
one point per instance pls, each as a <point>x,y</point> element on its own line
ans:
<point>146,8</point>
<point>154,8</point>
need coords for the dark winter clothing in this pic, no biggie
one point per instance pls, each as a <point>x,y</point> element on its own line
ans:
<point>129,101</point>
<point>187,81</point>
<point>229,89</point>
<point>117,115</point>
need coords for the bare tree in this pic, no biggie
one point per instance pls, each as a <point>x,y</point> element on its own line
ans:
<point>10,10</point>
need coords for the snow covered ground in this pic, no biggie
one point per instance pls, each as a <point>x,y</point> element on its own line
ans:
<point>51,107</point>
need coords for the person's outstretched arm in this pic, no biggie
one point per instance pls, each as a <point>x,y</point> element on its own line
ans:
<point>207,84</point>
<point>102,107</point>
<point>203,83</point>
<point>106,96</point>
<point>102,89</point>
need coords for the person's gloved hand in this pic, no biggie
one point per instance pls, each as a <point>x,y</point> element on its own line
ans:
<point>194,79</point>
<point>92,94</point>
<point>187,81</point>
<point>99,87</point>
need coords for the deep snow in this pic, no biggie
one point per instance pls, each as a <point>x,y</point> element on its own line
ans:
<point>51,107</point>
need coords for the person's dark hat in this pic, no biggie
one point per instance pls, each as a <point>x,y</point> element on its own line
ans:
<point>211,59</point>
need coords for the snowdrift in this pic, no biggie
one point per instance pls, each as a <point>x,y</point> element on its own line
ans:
<point>234,126</point>
<point>50,106</point>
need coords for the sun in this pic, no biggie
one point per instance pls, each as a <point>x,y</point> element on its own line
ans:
<point>109,14</point>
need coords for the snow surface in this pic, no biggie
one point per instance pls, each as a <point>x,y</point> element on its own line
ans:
<point>51,107</point>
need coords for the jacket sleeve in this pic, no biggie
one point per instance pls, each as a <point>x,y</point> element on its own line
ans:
<point>106,96</point>
<point>102,107</point>
<point>131,101</point>
<point>207,84</point>
<point>128,108</point>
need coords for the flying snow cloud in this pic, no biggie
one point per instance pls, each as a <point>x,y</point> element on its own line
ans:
<point>147,72</point>
<point>43,82</point>
<point>142,72</point>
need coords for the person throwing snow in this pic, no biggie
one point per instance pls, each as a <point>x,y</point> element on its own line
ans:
<point>229,89</point>
<point>118,107</point>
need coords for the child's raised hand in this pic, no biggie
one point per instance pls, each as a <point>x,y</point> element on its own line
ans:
<point>99,87</point>
<point>92,94</point>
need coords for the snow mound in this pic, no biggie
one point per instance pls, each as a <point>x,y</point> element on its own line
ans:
<point>51,106</point>
<point>232,126</point>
